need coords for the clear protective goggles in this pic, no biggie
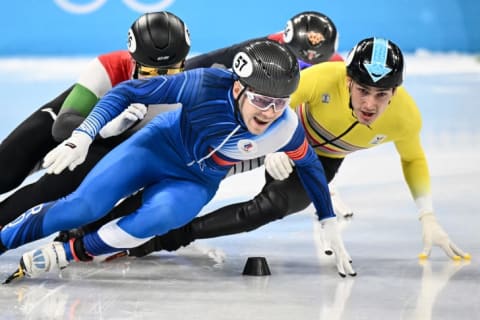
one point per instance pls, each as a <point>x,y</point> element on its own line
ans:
<point>263,103</point>
<point>145,71</point>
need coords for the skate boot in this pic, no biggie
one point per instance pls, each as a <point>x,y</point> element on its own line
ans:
<point>65,236</point>
<point>38,261</point>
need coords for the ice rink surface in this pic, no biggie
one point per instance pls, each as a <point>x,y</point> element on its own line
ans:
<point>204,281</point>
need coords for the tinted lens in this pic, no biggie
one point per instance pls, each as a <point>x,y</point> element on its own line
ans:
<point>264,103</point>
<point>147,71</point>
<point>151,72</point>
<point>169,71</point>
<point>281,103</point>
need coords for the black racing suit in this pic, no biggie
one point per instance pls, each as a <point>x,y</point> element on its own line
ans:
<point>23,150</point>
<point>25,146</point>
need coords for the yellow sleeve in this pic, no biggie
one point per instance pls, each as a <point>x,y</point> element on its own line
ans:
<point>414,166</point>
<point>412,156</point>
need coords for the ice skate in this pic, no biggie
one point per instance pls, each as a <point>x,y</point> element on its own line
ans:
<point>38,261</point>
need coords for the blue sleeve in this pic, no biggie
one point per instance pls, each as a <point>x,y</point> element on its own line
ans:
<point>152,91</point>
<point>311,173</point>
<point>313,178</point>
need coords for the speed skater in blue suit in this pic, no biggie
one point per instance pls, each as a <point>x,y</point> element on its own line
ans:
<point>179,158</point>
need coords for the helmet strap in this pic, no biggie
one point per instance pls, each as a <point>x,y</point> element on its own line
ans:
<point>237,102</point>
<point>237,99</point>
<point>350,85</point>
<point>135,71</point>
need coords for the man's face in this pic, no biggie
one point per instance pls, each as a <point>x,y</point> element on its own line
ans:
<point>368,103</point>
<point>256,120</point>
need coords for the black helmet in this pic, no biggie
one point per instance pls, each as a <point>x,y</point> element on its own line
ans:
<point>267,68</point>
<point>311,36</point>
<point>376,62</point>
<point>158,39</point>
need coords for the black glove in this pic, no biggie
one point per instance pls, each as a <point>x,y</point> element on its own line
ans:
<point>65,236</point>
<point>171,241</point>
<point>145,249</point>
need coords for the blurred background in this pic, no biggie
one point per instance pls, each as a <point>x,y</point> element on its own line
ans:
<point>90,27</point>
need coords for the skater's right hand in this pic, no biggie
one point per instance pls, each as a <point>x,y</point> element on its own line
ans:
<point>70,153</point>
<point>333,237</point>
<point>278,165</point>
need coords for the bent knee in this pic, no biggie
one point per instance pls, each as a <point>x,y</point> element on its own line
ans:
<point>165,220</point>
<point>283,201</point>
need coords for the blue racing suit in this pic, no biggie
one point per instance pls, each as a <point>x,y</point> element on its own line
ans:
<point>179,159</point>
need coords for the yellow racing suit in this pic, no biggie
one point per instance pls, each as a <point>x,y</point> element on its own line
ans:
<point>322,103</point>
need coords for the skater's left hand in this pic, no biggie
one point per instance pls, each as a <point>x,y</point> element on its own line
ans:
<point>334,238</point>
<point>433,234</point>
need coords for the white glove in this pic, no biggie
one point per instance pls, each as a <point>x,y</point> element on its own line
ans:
<point>323,241</point>
<point>433,234</point>
<point>339,206</point>
<point>70,153</point>
<point>333,237</point>
<point>278,165</point>
<point>123,122</point>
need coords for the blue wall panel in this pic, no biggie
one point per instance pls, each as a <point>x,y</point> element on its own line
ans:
<point>49,27</point>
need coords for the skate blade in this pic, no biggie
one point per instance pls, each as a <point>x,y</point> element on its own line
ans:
<point>18,274</point>
<point>116,256</point>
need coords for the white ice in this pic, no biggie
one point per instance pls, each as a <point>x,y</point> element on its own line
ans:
<point>204,281</point>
